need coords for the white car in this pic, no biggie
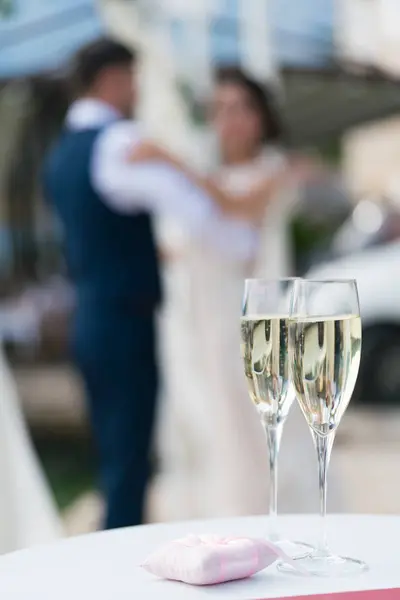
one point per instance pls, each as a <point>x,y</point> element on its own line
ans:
<point>377,272</point>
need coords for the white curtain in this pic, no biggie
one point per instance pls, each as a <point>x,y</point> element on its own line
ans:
<point>27,514</point>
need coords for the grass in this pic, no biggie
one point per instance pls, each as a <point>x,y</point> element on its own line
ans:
<point>69,467</point>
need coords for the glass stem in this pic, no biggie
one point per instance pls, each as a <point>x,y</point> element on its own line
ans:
<point>274,435</point>
<point>323,445</point>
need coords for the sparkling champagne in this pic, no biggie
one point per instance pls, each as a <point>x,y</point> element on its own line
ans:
<point>325,358</point>
<point>264,348</point>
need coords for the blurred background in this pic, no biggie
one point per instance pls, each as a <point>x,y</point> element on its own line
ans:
<point>335,65</point>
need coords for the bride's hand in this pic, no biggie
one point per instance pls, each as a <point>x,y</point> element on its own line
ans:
<point>149,151</point>
<point>302,170</point>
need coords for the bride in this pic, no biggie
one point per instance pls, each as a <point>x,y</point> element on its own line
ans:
<point>221,467</point>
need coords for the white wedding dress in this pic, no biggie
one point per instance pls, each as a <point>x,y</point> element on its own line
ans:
<point>213,448</point>
<point>27,514</point>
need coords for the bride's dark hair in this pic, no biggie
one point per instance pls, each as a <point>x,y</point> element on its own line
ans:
<point>261,97</point>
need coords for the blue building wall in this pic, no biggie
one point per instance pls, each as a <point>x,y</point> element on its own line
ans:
<point>302,31</point>
<point>42,34</point>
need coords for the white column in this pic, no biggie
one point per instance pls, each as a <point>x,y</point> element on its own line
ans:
<point>389,43</point>
<point>357,30</point>
<point>161,108</point>
<point>255,39</point>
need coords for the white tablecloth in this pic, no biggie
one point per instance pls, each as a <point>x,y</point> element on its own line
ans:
<point>105,566</point>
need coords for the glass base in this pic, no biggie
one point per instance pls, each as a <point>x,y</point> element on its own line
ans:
<point>295,550</point>
<point>324,565</point>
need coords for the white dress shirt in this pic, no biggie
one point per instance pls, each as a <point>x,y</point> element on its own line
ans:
<point>128,187</point>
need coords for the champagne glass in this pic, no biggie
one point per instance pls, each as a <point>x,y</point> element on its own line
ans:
<point>324,357</point>
<point>264,349</point>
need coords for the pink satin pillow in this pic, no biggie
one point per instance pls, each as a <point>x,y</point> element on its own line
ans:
<point>209,559</point>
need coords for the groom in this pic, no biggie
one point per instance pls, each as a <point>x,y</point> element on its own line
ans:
<point>105,204</point>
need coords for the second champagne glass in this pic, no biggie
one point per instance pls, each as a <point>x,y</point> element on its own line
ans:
<point>324,356</point>
<point>264,349</point>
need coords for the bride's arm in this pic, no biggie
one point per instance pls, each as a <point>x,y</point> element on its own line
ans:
<point>249,205</point>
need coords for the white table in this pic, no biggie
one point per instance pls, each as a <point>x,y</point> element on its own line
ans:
<point>104,566</point>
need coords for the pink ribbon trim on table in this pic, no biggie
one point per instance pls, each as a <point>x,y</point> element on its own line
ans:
<point>388,594</point>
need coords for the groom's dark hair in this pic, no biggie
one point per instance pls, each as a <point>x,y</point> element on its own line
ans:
<point>90,61</point>
<point>262,98</point>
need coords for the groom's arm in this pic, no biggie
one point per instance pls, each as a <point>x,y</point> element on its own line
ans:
<point>154,187</point>
<point>128,187</point>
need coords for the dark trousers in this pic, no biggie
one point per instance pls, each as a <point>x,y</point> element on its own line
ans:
<point>114,349</point>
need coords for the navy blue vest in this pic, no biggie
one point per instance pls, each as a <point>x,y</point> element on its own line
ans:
<point>110,257</point>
